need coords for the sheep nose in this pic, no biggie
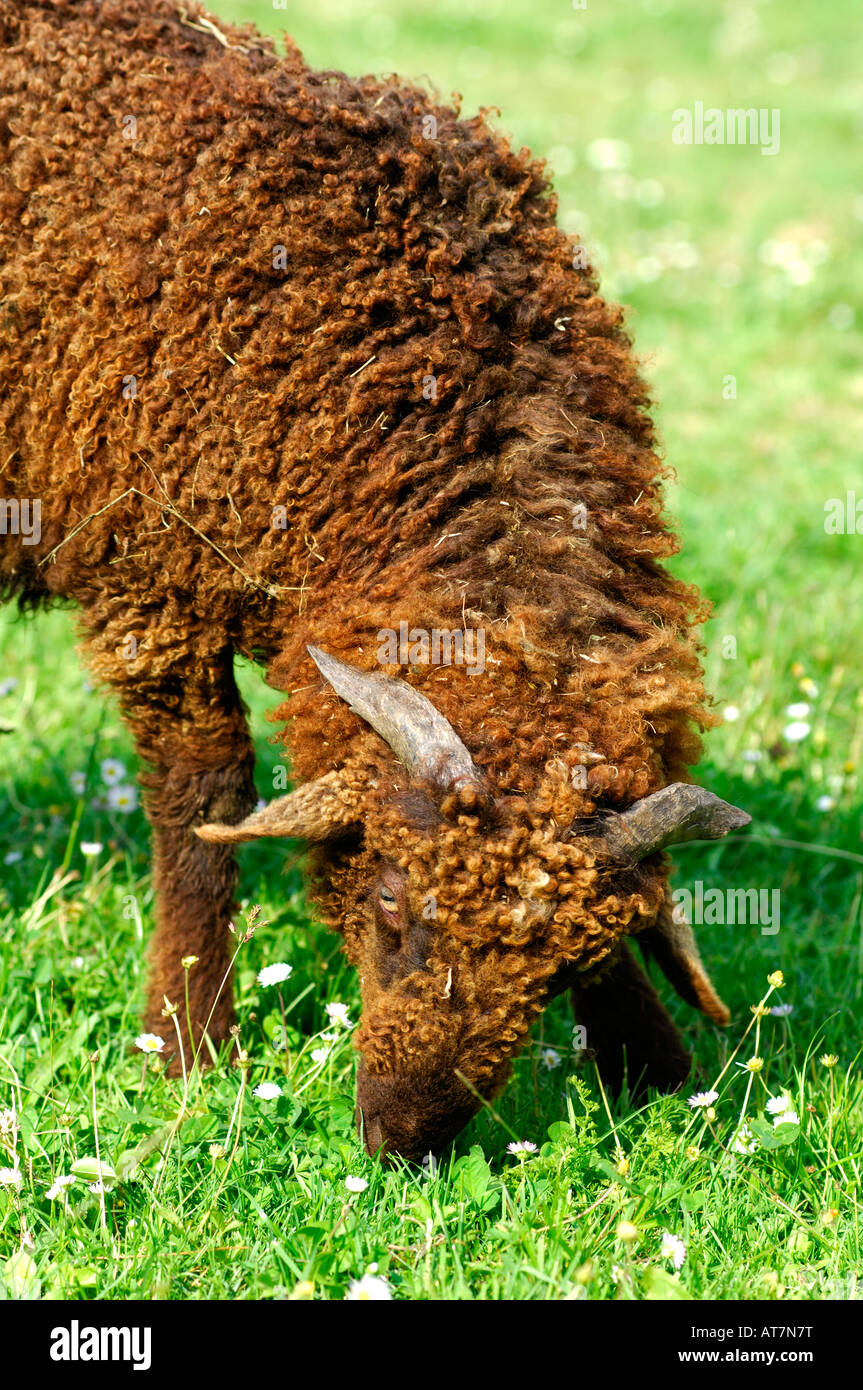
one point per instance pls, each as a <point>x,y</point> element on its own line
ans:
<point>369,1126</point>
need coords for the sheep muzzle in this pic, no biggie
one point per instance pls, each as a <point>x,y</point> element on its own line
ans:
<point>406,1117</point>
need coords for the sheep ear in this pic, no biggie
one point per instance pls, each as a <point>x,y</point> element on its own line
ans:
<point>318,811</point>
<point>672,945</point>
<point>668,817</point>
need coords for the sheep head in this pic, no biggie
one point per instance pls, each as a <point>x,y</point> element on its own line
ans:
<point>465,911</point>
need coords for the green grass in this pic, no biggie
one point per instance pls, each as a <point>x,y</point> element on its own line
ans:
<point>250,1199</point>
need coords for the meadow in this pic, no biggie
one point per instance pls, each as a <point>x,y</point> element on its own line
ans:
<point>743,279</point>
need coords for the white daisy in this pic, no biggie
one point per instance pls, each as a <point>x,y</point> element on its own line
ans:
<point>744,1141</point>
<point>112,771</point>
<point>797,731</point>
<point>90,848</point>
<point>267,1090</point>
<point>782,1110</point>
<point>702,1099</point>
<point>150,1042</point>
<point>550,1058</point>
<point>782,1010</point>
<point>57,1186</point>
<point>798,710</point>
<point>371,1288</point>
<point>673,1249</point>
<point>825,803</point>
<point>274,974</point>
<point>731,714</point>
<point>521,1146</point>
<point>78,782</point>
<point>338,1013</point>
<point>123,797</point>
<point>320,1054</point>
<point>355,1184</point>
<point>10,1177</point>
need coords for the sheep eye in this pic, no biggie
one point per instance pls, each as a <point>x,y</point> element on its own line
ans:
<point>387,900</point>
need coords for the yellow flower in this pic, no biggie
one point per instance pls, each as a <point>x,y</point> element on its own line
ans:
<point>622,1166</point>
<point>692,1152</point>
<point>188,961</point>
<point>777,979</point>
<point>829,1060</point>
<point>755,1064</point>
<point>626,1231</point>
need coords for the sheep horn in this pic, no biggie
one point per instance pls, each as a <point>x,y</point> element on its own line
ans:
<point>668,817</point>
<point>417,733</point>
<point>316,811</point>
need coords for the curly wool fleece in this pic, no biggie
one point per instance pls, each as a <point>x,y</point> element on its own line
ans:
<point>283,369</point>
<point>512,904</point>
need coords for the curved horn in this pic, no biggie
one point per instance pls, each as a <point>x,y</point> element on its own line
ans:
<point>668,817</point>
<point>417,733</point>
<point>316,811</point>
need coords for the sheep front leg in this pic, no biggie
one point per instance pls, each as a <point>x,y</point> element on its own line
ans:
<point>194,885</point>
<point>189,725</point>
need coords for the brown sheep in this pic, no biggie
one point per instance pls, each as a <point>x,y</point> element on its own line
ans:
<point>289,361</point>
